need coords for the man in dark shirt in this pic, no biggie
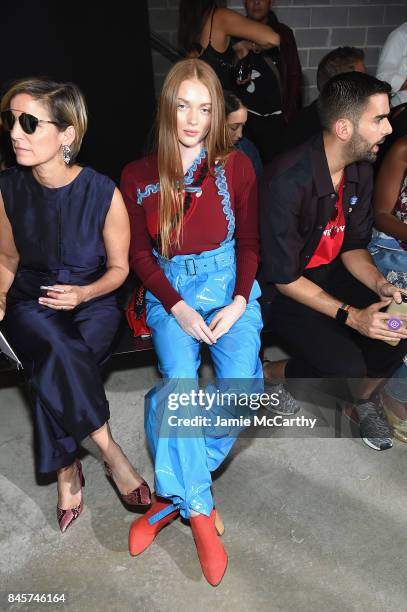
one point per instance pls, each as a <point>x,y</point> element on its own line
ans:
<point>273,93</point>
<point>316,221</point>
<point>307,122</point>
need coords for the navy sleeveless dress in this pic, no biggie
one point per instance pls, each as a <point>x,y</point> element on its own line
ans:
<point>58,233</point>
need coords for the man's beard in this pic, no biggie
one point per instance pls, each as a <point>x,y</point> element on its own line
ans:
<point>360,149</point>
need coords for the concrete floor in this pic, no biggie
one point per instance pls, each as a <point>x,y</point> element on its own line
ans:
<point>312,524</point>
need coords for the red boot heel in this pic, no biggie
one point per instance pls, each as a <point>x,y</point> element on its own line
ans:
<point>144,530</point>
<point>211,553</point>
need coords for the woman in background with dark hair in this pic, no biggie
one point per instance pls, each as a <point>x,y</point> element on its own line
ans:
<point>64,241</point>
<point>205,31</point>
<point>236,117</point>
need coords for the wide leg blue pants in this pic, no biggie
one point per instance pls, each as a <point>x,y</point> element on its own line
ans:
<point>61,352</point>
<point>183,463</point>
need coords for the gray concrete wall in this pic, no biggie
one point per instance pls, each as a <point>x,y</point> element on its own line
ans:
<point>319,25</point>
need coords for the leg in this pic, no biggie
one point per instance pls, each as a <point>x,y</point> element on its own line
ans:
<point>394,403</point>
<point>65,383</point>
<point>181,473</point>
<point>105,315</point>
<point>238,369</point>
<point>322,349</point>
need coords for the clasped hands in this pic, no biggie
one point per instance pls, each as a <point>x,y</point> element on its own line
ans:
<point>194,325</point>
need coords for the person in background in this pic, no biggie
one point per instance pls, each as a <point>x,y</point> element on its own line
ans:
<point>236,117</point>
<point>64,242</point>
<point>307,122</point>
<point>392,65</point>
<point>205,31</point>
<point>273,92</point>
<point>388,248</point>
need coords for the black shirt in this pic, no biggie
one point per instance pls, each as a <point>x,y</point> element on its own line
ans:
<point>297,199</point>
<point>263,93</point>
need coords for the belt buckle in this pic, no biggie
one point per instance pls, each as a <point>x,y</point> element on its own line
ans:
<point>189,272</point>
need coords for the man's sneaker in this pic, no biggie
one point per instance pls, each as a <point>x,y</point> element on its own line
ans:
<point>374,429</point>
<point>287,404</point>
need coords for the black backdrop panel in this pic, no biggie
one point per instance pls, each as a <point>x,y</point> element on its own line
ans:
<point>106,51</point>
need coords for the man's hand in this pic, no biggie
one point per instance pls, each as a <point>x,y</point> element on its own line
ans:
<point>227,316</point>
<point>192,323</point>
<point>372,323</point>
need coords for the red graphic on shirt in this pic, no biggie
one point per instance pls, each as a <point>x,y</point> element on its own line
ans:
<point>332,237</point>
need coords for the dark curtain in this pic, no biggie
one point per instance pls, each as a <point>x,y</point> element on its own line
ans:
<point>105,49</point>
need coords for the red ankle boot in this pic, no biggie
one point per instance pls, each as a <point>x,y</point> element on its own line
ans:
<point>142,532</point>
<point>212,555</point>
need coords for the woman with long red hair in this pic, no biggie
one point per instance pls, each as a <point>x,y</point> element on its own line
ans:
<point>194,245</point>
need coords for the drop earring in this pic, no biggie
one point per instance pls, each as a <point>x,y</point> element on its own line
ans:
<point>66,154</point>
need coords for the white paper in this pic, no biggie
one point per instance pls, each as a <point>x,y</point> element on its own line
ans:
<point>6,349</point>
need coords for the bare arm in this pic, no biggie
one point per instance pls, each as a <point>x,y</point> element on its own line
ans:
<point>361,265</point>
<point>116,236</point>
<point>310,294</point>
<point>231,23</point>
<point>8,258</point>
<point>387,189</point>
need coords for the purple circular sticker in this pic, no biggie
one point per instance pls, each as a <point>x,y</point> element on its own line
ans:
<point>394,324</point>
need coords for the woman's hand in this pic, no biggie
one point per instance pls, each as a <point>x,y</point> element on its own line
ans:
<point>2,305</point>
<point>242,48</point>
<point>69,298</point>
<point>192,323</point>
<point>227,316</point>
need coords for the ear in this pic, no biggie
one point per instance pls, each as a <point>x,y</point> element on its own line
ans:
<point>68,135</point>
<point>344,129</point>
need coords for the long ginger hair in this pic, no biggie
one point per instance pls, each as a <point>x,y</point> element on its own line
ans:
<point>171,174</point>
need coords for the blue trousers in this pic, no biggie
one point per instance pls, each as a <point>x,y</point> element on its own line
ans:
<point>184,462</point>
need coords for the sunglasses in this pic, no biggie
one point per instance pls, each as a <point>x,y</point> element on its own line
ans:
<point>28,122</point>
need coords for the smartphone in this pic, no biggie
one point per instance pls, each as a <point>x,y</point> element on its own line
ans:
<point>395,309</point>
<point>50,288</point>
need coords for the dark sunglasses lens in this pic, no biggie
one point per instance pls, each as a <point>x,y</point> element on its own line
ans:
<point>7,119</point>
<point>28,123</point>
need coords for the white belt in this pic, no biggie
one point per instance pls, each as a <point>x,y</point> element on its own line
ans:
<point>279,112</point>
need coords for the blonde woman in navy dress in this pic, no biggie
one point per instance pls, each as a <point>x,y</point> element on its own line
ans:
<point>64,227</point>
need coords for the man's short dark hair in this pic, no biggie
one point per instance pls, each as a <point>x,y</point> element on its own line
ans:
<point>346,96</point>
<point>342,59</point>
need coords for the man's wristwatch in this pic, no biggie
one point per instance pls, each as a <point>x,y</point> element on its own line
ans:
<point>342,313</point>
